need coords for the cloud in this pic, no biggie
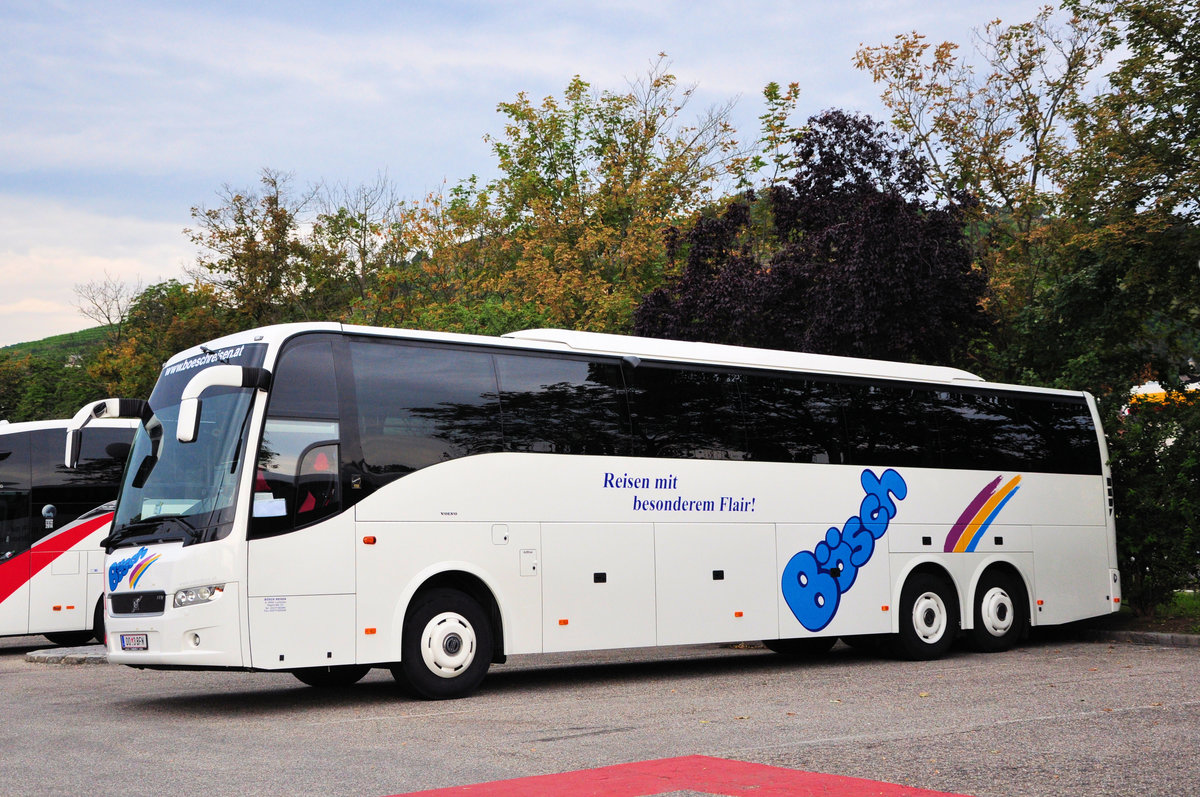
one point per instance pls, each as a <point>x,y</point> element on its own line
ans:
<point>48,247</point>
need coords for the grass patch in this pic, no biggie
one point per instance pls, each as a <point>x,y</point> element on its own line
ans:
<point>1185,606</point>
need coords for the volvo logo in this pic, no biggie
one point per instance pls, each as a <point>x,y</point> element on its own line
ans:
<point>137,604</point>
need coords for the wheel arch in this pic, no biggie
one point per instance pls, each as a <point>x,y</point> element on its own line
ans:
<point>464,578</point>
<point>929,567</point>
<point>998,565</point>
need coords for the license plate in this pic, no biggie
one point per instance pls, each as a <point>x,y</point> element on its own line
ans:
<point>133,642</point>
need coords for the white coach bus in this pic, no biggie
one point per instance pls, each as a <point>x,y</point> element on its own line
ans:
<point>52,520</point>
<point>324,499</point>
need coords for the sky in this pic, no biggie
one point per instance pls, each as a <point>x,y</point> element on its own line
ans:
<point>118,118</point>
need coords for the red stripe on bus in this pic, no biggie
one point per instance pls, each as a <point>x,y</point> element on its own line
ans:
<point>716,776</point>
<point>16,572</point>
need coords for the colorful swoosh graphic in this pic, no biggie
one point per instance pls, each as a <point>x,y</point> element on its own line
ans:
<point>136,574</point>
<point>972,524</point>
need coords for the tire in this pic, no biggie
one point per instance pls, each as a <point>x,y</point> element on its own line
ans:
<point>98,621</point>
<point>334,677</point>
<point>69,639</point>
<point>928,618</point>
<point>808,646</point>
<point>446,647</point>
<point>1001,612</point>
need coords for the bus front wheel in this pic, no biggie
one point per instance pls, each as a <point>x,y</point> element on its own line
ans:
<point>928,618</point>
<point>446,647</point>
<point>98,621</point>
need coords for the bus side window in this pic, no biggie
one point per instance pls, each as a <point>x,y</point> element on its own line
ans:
<point>296,475</point>
<point>295,483</point>
<point>317,484</point>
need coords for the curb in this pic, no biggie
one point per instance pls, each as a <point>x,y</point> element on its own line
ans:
<point>88,654</point>
<point>1141,638</point>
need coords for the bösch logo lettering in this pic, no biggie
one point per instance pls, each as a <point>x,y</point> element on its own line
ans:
<point>813,581</point>
<point>117,570</point>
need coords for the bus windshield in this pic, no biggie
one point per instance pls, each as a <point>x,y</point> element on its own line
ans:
<point>185,492</point>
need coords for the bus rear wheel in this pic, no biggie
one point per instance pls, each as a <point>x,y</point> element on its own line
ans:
<point>1001,615</point>
<point>928,618</point>
<point>446,647</point>
<point>332,677</point>
<point>69,639</point>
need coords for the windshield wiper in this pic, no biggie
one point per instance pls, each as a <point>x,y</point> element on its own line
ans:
<point>192,532</point>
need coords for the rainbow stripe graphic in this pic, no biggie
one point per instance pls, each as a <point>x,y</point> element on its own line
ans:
<point>972,524</point>
<point>138,571</point>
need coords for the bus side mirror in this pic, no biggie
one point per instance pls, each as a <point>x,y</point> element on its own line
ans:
<point>108,408</point>
<point>188,427</point>
<point>189,420</point>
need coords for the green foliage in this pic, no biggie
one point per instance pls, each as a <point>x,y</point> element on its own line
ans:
<point>1156,472</point>
<point>253,253</point>
<point>167,318</point>
<point>79,344</point>
<point>571,232</point>
<point>39,387</point>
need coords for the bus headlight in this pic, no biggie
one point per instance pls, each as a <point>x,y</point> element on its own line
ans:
<point>194,595</point>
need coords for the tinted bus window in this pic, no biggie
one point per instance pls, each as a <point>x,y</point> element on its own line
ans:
<point>562,406</point>
<point>690,414</point>
<point>792,419</point>
<point>14,495</point>
<point>1067,435</point>
<point>418,406</point>
<point>297,477</point>
<point>891,425</point>
<point>305,385</point>
<point>73,491</point>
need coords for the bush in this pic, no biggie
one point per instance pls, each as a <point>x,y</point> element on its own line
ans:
<point>1155,455</point>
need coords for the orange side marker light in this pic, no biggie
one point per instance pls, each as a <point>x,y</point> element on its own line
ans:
<point>368,631</point>
<point>369,540</point>
<point>884,608</point>
<point>58,608</point>
<point>563,622</point>
<point>739,614</point>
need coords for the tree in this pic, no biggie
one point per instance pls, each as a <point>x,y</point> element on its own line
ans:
<point>1005,138</point>
<point>107,301</point>
<point>254,255</point>
<point>570,233</point>
<point>14,369</point>
<point>1156,473</point>
<point>165,319</point>
<point>1137,176</point>
<point>863,266</point>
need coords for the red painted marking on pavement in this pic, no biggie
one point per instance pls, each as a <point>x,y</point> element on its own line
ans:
<point>716,776</point>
